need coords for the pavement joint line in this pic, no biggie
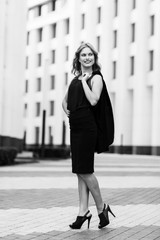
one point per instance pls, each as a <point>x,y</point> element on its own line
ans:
<point>8,183</point>
<point>136,219</point>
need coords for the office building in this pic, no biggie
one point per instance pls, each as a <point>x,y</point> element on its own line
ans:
<point>126,35</point>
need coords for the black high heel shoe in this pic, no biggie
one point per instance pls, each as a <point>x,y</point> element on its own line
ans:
<point>80,220</point>
<point>104,219</point>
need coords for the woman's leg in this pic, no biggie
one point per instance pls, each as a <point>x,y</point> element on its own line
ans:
<point>92,184</point>
<point>83,196</point>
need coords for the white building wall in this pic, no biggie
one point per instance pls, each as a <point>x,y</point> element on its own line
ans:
<point>12,65</point>
<point>135,96</point>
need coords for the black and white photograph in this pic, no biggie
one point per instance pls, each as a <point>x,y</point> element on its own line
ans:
<point>79,119</point>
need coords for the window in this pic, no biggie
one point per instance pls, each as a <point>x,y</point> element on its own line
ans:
<point>133,32</point>
<point>53,57</point>
<point>67,53</point>
<point>66,78</point>
<point>114,69</point>
<point>83,21</point>
<point>132,62</point>
<point>38,84</point>
<point>37,135</point>
<point>151,60</point>
<point>99,15</point>
<point>26,86</point>
<point>98,43</point>
<point>39,59</point>
<point>51,108</point>
<point>52,82</point>
<point>67,24</point>
<point>115,39</point>
<point>134,4</point>
<point>25,109</point>
<point>53,30</point>
<point>27,62</point>
<point>40,31</point>
<point>38,109</point>
<point>152,19</point>
<point>50,140</point>
<point>39,10</point>
<point>115,8</point>
<point>53,5</point>
<point>28,35</point>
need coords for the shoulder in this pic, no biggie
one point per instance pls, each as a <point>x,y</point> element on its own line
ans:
<point>97,78</point>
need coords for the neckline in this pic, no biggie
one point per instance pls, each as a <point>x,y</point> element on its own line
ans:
<point>87,79</point>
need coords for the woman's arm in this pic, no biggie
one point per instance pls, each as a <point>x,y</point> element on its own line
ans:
<point>93,94</point>
<point>65,103</point>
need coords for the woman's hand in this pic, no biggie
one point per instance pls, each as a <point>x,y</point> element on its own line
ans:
<point>85,76</point>
<point>93,94</point>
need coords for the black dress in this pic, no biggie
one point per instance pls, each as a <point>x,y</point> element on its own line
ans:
<point>83,129</point>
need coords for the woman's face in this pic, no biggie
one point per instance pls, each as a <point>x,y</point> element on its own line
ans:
<point>86,57</point>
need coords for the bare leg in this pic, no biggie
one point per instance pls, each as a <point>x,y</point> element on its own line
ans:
<point>83,196</point>
<point>92,184</point>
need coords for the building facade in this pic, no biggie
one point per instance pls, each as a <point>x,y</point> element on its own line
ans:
<point>12,69</point>
<point>126,35</point>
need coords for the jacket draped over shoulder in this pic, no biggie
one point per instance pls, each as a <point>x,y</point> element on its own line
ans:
<point>104,118</point>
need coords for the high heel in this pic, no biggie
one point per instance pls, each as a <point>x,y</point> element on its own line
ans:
<point>104,219</point>
<point>80,220</point>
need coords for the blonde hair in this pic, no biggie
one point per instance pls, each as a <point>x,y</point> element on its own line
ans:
<point>76,66</point>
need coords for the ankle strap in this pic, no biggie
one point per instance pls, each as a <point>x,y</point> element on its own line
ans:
<point>86,213</point>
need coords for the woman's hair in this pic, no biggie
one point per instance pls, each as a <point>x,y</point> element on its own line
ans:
<point>76,66</point>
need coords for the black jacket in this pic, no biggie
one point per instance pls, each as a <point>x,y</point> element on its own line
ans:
<point>104,118</point>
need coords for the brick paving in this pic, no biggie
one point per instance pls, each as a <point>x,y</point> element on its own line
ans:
<point>39,199</point>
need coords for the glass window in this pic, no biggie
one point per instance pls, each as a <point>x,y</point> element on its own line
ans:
<point>67,53</point>
<point>40,32</point>
<point>152,19</point>
<point>52,5</point>
<point>114,69</point>
<point>50,140</point>
<point>66,78</point>
<point>38,109</point>
<point>53,30</point>
<point>27,62</point>
<point>38,84</point>
<point>134,4</point>
<point>28,36</point>
<point>25,109</point>
<point>39,59</point>
<point>99,15</point>
<point>67,25</point>
<point>115,8</point>
<point>83,21</point>
<point>53,56</point>
<point>115,38</point>
<point>39,10</point>
<point>37,135</point>
<point>98,43</point>
<point>151,56</point>
<point>52,82</point>
<point>26,86</point>
<point>132,62</point>
<point>51,108</point>
<point>133,32</point>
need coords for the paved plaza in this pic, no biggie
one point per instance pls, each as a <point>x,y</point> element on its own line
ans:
<point>39,199</point>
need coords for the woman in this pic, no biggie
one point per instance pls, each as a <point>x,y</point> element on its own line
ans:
<point>83,94</point>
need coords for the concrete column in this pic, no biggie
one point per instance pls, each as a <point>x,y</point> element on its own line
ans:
<point>142,94</point>
<point>156,87</point>
<point>123,98</point>
<point>60,58</point>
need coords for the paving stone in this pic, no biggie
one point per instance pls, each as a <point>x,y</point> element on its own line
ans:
<point>40,199</point>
